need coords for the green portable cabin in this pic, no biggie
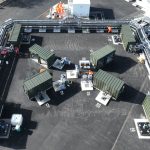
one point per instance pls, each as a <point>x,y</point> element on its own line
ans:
<point>128,39</point>
<point>15,33</point>
<point>42,53</point>
<point>102,56</point>
<point>108,83</point>
<point>37,83</point>
<point>146,106</point>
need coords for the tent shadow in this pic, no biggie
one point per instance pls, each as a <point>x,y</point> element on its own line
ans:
<point>4,72</point>
<point>131,95</point>
<point>120,64</point>
<point>24,48</point>
<point>57,98</point>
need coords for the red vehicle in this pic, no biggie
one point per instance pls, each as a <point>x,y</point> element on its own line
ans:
<point>17,50</point>
<point>4,52</point>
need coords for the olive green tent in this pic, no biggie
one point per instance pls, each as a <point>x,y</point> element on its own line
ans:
<point>14,34</point>
<point>127,36</point>
<point>43,53</point>
<point>146,106</point>
<point>105,55</point>
<point>37,83</point>
<point>107,82</point>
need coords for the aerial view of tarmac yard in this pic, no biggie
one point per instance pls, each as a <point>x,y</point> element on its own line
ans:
<point>74,75</point>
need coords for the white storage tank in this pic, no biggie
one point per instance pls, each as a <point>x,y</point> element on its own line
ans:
<point>81,8</point>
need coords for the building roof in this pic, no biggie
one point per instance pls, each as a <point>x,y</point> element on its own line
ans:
<point>107,82</point>
<point>101,53</point>
<point>146,106</point>
<point>37,80</point>
<point>45,54</point>
<point>15,33</point>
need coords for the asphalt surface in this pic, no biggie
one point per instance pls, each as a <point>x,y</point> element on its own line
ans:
<point>73,121</point>
<point>7,72</point>
<point>26,9</point>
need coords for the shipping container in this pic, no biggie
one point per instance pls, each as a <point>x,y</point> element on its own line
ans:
<point>108,83</point>
<point>42,54</point>
<point>146,106</point>
<point>128,38</point>
<point>103,56</point>
<point>37,83</point>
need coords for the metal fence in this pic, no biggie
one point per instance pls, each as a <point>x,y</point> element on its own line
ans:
<point>143,38</point>
<point>65,23</point>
